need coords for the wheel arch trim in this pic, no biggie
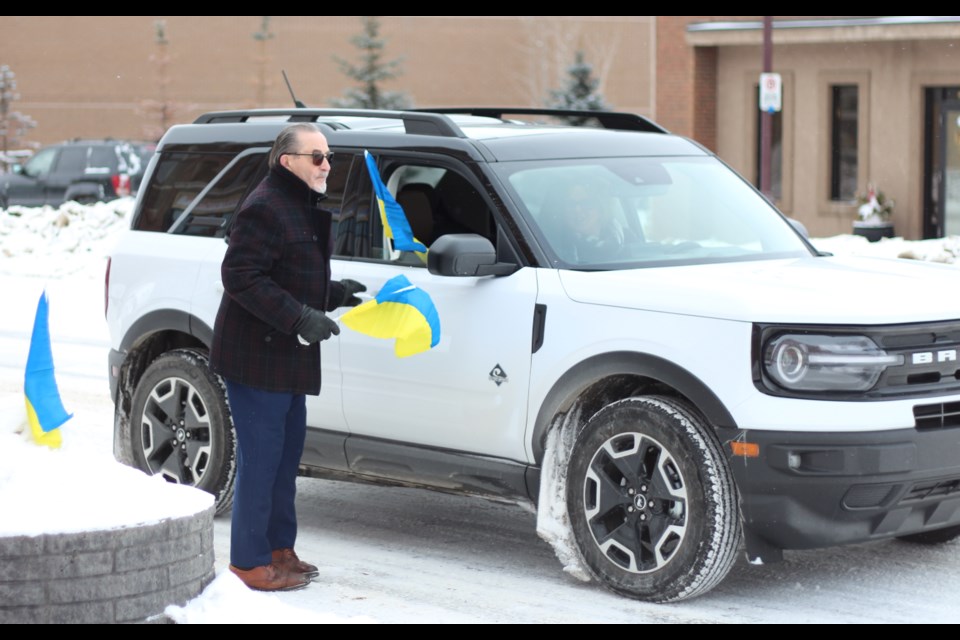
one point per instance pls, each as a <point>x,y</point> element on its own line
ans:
<point>574,381</point>
<point>166,320</point>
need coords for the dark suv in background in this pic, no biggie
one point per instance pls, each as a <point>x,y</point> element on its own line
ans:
<point>82,170</point>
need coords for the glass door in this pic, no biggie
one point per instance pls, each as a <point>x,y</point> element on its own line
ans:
<point>950,182</point>
<point>941,162</point>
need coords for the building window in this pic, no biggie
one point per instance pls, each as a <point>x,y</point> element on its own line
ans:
<point>844,121</point>
<point>776,151</point>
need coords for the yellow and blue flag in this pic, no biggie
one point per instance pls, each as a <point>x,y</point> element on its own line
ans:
<point>400,310</point>
<point>391,214</point>
<point>45,412</point>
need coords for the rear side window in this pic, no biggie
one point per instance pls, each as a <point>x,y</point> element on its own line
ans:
<point>175,183</point>
<point>102,160</point>
<point>350,206</point>
<point>73,160</point>
<point>198,194</point>
<point>211,214</point>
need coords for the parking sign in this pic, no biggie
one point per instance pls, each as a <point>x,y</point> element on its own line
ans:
<point>771,92</point>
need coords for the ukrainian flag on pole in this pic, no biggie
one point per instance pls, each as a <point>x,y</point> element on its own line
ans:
<point>391,214</point>
<point>401,310</point>
<point>45,412</point>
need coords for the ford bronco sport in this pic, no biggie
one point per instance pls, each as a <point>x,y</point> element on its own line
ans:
<point>693,380</point>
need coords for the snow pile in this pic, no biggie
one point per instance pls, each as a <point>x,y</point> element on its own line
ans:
<point>227,600</point>
<point>68,238</point>
<point>553,521</point>
<point>943,250</point>
<point>81,494</point>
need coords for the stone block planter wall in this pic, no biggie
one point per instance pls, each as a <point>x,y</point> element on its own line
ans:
<point>126,575</point>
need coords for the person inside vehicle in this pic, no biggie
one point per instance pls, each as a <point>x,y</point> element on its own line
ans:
<point>591,232</point>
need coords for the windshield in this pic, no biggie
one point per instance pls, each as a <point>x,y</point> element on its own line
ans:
<point>622,213</point>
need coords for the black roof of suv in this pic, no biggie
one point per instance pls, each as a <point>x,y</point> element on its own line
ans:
<point>172,201</point>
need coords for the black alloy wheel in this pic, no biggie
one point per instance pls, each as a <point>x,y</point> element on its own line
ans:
<point>181,427</point>
<point>652,501</point>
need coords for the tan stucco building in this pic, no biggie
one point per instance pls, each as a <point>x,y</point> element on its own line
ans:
<point>865,99</point>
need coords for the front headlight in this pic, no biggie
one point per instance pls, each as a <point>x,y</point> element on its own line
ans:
<point>800,362</point>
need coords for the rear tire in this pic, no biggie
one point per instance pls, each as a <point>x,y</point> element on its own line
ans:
<point>181,428</point>
<point>652,502</point>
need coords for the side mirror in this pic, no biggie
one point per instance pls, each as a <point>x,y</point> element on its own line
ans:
<point>465,254</point>
<point>17,168</point>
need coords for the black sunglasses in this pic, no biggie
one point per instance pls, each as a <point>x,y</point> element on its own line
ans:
<point>317,156</point>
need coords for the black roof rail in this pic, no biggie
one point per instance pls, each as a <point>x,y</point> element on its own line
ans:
<point>607,119</point>
<point>414,122</point>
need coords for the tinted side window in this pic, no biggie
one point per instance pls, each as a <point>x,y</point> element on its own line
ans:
<point>40,164</point>
<point>176,181</point>
<point>102,160</point>
<point>73,160</point>
<point>350,204</point>
<point>212,214</point>
<point>436,201</point>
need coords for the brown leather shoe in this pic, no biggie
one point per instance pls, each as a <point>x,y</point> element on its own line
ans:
<point>271,577</point>
<point>287,558</point>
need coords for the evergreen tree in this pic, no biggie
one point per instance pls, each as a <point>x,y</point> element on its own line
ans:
<point>13,124</point>
<point>159,112</point>
<point>261,37</point>
<point>371,71</point>
<point>580,92</point>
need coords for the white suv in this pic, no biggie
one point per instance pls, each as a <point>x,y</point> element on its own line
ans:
<point>633,340</point>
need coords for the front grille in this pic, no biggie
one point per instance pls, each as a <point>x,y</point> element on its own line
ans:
<point>937,416</point>
<point>932,489</point>
<point>931,358</point>
<point>867,496</point>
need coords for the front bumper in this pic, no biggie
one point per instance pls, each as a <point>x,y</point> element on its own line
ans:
<point>810,490</point>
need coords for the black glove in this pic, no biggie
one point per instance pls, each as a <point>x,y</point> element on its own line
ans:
<point>350,289</point>
<point>313,325</point>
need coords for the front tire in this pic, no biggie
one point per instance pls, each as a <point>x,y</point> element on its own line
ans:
<point>180,426</point>
<point>652,502</point>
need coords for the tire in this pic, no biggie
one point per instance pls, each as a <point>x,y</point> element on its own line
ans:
<point>652,502</point>
<point>85,193</point>
<point>939,536</point>
<point>180,426</point>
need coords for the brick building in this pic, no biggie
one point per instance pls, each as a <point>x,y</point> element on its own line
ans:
<point>865,99</point>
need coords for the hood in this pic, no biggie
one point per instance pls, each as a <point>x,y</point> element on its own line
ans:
<point>815,290</point>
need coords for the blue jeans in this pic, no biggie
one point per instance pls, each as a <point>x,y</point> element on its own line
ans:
<point>270,428</point>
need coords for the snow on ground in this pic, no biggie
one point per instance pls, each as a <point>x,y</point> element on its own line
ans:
<point>64,250</point>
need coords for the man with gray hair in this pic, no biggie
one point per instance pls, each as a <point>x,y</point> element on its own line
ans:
<point>266,347</point>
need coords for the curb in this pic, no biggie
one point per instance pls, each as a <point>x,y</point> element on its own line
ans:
<point>126,575</point>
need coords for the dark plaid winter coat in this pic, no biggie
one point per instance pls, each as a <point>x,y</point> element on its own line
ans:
<point>277,260</point>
